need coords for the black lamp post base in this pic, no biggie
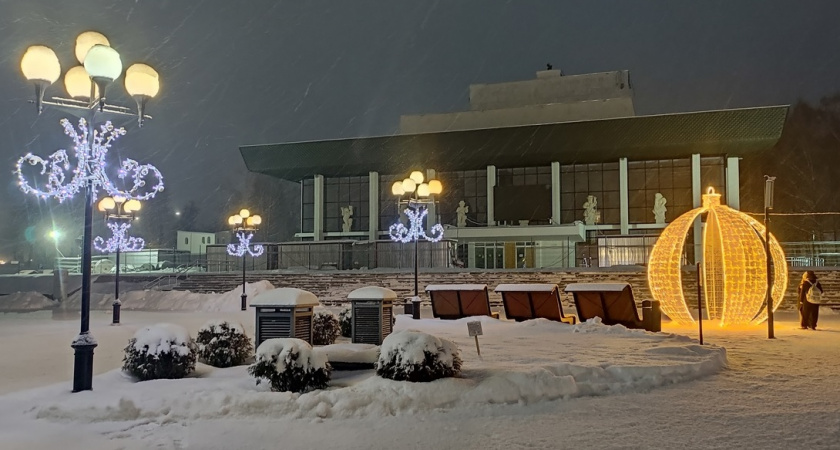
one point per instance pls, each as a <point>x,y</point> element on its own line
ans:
<point>244,302</point>
<point>116,315</point>
<point>83,362</point>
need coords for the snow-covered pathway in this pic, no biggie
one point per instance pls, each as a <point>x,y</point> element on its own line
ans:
<point>776,394</point>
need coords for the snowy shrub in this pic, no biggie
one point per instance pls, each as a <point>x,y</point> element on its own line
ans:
<point>223,344</point>
<point>325,327</point>
<point>164,350</point>
<point>344,318</point>
<point>291,365</point>
<point>410,355</point>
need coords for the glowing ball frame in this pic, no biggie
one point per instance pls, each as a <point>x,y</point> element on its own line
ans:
<point>734,266</point>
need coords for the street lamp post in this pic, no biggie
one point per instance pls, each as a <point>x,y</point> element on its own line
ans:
<point>416,196</point>
<point>119,212</point>
<point>86,85</point>
<point>768,205</point>
<point>244,224</point>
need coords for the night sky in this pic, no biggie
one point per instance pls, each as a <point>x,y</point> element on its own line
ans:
<point>258,72</point>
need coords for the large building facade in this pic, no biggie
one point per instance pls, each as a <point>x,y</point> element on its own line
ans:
<point>556,172</point>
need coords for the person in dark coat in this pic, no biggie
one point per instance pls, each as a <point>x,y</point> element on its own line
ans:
<point>809,311</point>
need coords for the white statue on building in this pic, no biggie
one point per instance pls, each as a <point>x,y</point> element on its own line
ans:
<point>346,218</point>
<point>590,210</point>
<point>659,208</point>
<point>462,211</point>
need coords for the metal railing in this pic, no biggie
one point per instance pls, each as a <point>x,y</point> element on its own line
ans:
<point>335,255</point>
<point>170,281</point>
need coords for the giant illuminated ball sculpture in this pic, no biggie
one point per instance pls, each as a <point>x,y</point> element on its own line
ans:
<point>734,266</point>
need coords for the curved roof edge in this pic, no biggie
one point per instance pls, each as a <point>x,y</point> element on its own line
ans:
<point>733,132</point>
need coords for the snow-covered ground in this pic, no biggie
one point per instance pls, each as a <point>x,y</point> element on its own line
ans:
<point>537,385</point>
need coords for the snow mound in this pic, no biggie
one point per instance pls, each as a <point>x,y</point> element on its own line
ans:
<point>188,301</point>
<point>25,301</point>
<point>520,363</point>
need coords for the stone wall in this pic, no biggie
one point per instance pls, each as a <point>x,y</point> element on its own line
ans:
<point>333,286</point>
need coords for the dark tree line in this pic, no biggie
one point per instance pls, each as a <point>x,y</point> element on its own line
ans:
<point>806,164</point>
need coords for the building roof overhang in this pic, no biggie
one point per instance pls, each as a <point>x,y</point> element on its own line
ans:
<point>731,132</point>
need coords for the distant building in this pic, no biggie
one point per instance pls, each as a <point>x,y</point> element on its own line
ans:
<point>525,158</point>
<point>195,242</point>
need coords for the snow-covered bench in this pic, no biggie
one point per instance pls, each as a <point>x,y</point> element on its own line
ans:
<point>614,304</point>
<point>455,301</point>
<point>533,301</point>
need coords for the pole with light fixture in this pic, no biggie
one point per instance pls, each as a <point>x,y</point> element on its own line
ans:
<point>87,85</point>
<point>768,205</point>
<point>119,213</point>
<point>243,223</point>
<point>416,196</point>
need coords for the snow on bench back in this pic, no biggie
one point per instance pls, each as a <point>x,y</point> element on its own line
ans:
<point>372,293</point>
<point>590,287</point>
<point>456,287</point>
<point>285,297</point>
<point>534,287</point>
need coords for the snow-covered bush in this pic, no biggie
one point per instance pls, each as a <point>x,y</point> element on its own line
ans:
<point>223,344</point>
<point>410,355</point>
<point>345,317</point>
<point>325,327</point>
<point>291,365</point>
<point>158,351</point>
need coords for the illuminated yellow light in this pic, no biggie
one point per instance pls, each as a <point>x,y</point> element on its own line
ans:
<point>734,266</point>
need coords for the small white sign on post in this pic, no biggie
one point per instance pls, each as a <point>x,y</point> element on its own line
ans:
<point>474,329</point>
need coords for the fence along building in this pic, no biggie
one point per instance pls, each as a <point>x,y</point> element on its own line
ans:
<point>525,159</point>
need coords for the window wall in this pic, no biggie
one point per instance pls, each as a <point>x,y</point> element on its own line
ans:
<point>307,205</point>
<point>670,177</point>
<point>469,186</point>
<point>578,181</point>
<point>342,192</point>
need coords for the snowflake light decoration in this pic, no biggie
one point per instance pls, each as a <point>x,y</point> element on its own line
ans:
<point>244,246</point>
<point>90,166</point>
<point>119,240</point>
<point>415,232</point>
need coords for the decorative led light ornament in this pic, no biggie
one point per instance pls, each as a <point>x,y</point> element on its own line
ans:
<point>90,165</point>
<point>244,246</point>
<point>734,266</point>
<point>400,233</point>
<point>119,239</point>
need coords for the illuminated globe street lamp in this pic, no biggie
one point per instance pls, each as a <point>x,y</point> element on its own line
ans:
<point>119,213</point>
<point>244,224</point>
<point>416,196</point>
<point>87,85</point>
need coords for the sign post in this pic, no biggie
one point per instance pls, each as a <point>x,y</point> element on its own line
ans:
<point>474,329</point>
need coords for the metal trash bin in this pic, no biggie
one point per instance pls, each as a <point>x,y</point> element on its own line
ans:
<point>284,313</point>
<point>373,314</point>
<point>652,315</point>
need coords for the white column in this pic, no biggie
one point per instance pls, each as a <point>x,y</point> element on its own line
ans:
<point>318,214</point>
<point>623,196</point>
<point>733,184</point>
<point>696,196</point>
<point>491,183</point>
<point>431,218</point>
<point>555,193</point>
<point>373,206</point>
